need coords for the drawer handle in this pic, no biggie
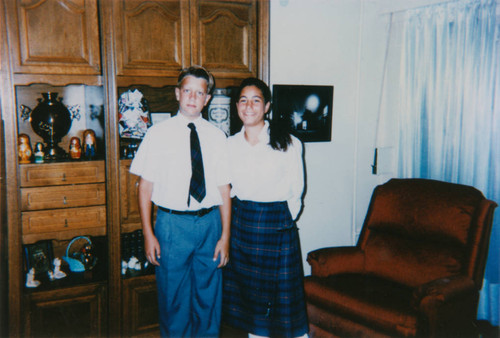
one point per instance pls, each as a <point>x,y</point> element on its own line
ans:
<point>64,200</point>
<point>65,223</point>
<point>64,177</point>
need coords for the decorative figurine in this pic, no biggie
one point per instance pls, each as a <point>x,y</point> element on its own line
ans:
<point>89,144</point>
<point>58,274</point>
<point>124,267</point>
<point>132,262</point>
<point>24,149</point>
<point>39,153</point>
<point>50,273</point>
<point>30,279</point>
<point>75,148</point>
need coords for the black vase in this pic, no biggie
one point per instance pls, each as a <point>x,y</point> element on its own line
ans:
<point>51,120</point>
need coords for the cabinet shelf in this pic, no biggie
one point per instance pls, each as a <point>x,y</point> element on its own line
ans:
<point>96,276</point>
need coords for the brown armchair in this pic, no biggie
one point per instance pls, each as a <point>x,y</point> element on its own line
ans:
<point>416,270</point>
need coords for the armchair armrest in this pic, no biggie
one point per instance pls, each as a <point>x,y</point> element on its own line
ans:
<point>438,300</point>
<point>329,261</point>
<point>443,290</point>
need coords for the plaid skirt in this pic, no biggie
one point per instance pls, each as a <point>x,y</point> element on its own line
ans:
<point>263,282</point>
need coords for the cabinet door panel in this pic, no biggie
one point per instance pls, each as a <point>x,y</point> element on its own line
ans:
<point>152,37</point>
<point>225,37</point>
<point>129,208</point>
<point>140,306</point>
<point>63,196</point>
<point>76,312</point>
<point>55,36</point>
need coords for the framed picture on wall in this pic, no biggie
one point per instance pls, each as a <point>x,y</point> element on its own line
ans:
<point>306,108</point>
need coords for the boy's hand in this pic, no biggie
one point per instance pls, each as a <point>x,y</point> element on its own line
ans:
<point>222,251</point>
<point>152,249</point>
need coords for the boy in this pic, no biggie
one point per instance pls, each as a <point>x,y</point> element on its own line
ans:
<point>190,241</point>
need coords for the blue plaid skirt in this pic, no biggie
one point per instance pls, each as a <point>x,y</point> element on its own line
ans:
<point>263,282</point>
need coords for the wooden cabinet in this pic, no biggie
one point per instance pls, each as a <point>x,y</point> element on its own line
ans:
<point>54,36</point>
<point>110,46</point>
<point>78,312</point>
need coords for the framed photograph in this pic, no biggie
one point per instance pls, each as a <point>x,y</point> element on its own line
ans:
<point>39,256</point>
<point>307,109</point>
<point>157,117</point>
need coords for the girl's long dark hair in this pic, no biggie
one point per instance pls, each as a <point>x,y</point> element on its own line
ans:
<point>279,129</point>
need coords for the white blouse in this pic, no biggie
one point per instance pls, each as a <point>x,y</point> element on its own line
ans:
<point>261,174</point>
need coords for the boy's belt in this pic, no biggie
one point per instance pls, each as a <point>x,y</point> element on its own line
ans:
<point>198,213</point>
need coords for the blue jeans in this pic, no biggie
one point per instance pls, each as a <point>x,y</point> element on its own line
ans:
<point>188,280</point>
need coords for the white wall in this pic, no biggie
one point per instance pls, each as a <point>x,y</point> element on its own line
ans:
<point>340,43</point>
<point>316,42</point>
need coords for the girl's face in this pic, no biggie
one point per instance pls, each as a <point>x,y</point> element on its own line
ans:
<point>251,106</point>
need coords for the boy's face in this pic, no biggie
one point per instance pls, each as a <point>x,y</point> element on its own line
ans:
<point>192,96</point>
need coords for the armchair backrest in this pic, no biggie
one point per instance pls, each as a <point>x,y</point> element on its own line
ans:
<point>419,230</point>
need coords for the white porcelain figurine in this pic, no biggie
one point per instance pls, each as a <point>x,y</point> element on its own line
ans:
<point>58,274</point>
<point>30,279</point>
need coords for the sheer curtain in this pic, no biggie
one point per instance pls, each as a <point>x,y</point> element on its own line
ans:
<point>440,107</point>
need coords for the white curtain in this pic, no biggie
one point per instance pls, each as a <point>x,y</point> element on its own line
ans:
<point>440,106</point>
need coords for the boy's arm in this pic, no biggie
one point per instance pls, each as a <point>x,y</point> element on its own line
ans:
<point>222,247</point>
<point>151,245</point>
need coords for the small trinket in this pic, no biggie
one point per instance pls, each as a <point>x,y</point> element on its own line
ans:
<point>24,149</point>
<point>89,144</point>
<point>39,153</point>
<point>75,148</point>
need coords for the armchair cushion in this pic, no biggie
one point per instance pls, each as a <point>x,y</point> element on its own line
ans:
<point>381,303</point>
<point>409,261</point>
<point>422,209</point>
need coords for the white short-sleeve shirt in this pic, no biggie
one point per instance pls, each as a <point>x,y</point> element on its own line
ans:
<point>164,158</point>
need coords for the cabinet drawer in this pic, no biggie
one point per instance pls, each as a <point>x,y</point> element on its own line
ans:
<point>63,196</point>
<point>34,175</point>
<point>63,220</point>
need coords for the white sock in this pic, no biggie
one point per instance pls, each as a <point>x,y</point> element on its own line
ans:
<point>255,336</point>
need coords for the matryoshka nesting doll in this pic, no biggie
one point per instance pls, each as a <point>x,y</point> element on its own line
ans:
<point>89,144</point>
<point>75,148</point>
<point>39,153</point>
<point>24,150</point>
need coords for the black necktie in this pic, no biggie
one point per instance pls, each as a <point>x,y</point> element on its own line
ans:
<point>197,185</point>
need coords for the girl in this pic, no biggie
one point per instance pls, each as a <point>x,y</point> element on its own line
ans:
<point>263,282</point>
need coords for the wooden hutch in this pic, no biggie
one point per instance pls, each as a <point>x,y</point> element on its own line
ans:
<point>108,47</point>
